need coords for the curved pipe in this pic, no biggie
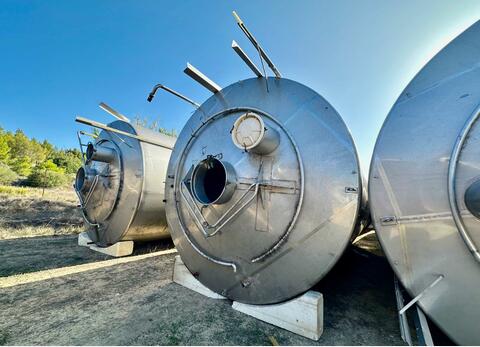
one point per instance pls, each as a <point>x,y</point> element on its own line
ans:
<point>171,91</point>
<point>452,171</point>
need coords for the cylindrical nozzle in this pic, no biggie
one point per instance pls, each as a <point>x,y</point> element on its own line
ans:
<point>83,179</point>
<point>213,181</point>
<point>251,134</point>
<point>100,153</point>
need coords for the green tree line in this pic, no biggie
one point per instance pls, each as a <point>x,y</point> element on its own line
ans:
<point>38,164</point>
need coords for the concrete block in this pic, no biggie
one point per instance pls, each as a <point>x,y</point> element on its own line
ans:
<point>84,240</point>
<point>302,315</point>
<point>119,249</point>
<point>182,276</point>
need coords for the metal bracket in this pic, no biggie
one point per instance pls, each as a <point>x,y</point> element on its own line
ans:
<point>206,228</point>
<point>83,204</point>
<point>81,145</point>
<point>404,328</point>
<point>388,220</point>
<point>424,336</point>
<point>419,296</point>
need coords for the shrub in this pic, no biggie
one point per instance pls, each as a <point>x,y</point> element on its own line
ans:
<point>4,147</point>
<point>47,175</point>
<point>7,175</point>
<point>22,165</point>
<point>70,160</point>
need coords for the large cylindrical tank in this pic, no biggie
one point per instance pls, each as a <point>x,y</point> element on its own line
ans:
<point>121,186</point>
<point>423,188</point>
<point>263,190</point>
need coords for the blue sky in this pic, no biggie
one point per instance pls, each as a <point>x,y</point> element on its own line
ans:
<point>59,59</point>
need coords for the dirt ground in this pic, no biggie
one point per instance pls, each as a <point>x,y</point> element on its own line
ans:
<point>137,303</point>
<point>30,254</point>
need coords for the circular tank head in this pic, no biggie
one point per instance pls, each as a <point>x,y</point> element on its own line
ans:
<point>110,184</point>
<point>423,187</point>
<point>250,133</point>
<point>98,182</point>
<point>122,185</point>
<point>472,198</point>
<point>262,190</point>
<point>213,181</point>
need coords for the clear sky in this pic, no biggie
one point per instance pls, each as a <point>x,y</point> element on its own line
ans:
<point>59,59</point>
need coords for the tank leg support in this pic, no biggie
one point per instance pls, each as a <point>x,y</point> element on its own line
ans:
<point>423,335</point>
<point>302,315</point>
<point>119,249</point>
<point>182,276</point>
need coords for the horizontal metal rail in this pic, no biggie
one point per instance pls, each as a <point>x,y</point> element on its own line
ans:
<point>114,113</point>
<point>194,73</point>
<point>107,128</point>
<point>246,59</point>
<point>255,43</point>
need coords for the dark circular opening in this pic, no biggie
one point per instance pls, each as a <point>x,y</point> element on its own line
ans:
<point>80,179</point>
<point>472,198</point>
<point>208,180</point>
<point>90,151</point>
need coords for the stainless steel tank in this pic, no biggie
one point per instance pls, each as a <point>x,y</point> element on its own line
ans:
<point>263,190</point>
<point>121,186</point>
<point>423,188</point>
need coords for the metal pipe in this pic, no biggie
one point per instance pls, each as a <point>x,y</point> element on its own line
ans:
<point>257,45</point>
<point>171,91</point>
<point>114,113</point>
<point>452,197</point>
<point>100,153</point>
<point>88,134</point>
<point>107,128</point>
<point>202,79</point>
<point>246,59</point>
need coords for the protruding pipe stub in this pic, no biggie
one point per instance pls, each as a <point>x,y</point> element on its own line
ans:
<point>213,181</point>
<point>472,198</point>
<point>100,153</point>
<point>252,135</point>
<point>83,180</point>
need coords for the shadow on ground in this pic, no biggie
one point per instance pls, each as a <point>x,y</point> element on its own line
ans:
<point>24,255</point>
<point>136,303</point>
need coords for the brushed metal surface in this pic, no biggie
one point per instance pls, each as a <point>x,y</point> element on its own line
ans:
<point>127,203</point>
<point>408,187</point>
<point>293,211</point>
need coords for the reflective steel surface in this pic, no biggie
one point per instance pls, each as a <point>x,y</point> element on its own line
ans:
<point>266,225</point>
<point>417,162</point>
<point>122,186</point>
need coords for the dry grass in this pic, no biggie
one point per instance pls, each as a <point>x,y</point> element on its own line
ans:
<point>28,212</point>
<point>53,194</point>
